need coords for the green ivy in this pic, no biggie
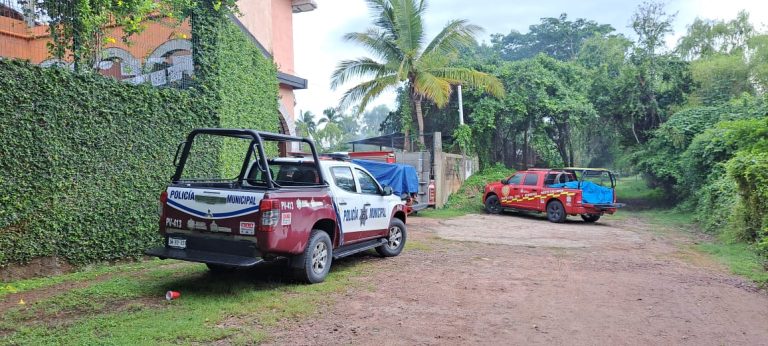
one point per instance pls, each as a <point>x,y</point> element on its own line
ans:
<point>84,158</point>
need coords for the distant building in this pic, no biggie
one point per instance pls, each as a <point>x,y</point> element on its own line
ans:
<point>162,54</point>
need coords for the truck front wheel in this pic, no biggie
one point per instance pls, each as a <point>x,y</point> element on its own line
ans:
<point>395,239</point>
<point>590,217</point>
<point>492,204</point>
<point>556,211</point>
<point>316,259</point>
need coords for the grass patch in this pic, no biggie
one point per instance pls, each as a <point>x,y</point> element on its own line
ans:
<point>469,198</point>
<point>636,193</point>
<point>740,258</point>
<point>87,273</point>
<point>129,308</point>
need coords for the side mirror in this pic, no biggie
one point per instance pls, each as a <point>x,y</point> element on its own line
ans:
<point>387,191</point>
<point>504,181</point>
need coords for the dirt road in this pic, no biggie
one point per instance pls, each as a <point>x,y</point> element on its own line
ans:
<point>503,280</point>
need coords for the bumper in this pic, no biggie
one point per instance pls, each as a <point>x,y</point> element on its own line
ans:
<point>203,257</point>
<point>209,249</point>
<point>596,209</point>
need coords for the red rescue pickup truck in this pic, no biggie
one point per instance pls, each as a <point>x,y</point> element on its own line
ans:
<point>587,192</point>
<point>249,206</point>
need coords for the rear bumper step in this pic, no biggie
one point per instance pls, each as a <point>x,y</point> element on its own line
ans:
<point>203,257</point>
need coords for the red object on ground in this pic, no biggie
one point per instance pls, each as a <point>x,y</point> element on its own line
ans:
<point>172,295</point>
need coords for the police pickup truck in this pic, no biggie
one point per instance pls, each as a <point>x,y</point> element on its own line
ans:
<point>230,211</point>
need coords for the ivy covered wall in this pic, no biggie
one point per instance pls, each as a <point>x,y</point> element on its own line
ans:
<point>83,158</point>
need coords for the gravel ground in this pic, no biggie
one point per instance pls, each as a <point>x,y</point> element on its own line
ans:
<point>512,279</point>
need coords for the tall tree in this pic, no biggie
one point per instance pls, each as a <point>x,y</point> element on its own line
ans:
<point>330,116</point>
<point>306,124</point>
<point>708,37</point>
<point>401,58</point>
<point>651,24</point>
<point>559,38</point>
<point>373,119</point>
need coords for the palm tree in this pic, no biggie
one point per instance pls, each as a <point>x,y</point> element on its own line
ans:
<point>397,42</point>
<point>331,116</point>
<point>306,123</point>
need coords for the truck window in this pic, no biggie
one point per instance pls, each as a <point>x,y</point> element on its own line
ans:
<point>515,179</point>
<point>531,179</point>
<point>285,173</point>
<point>367,183</point>
<point>342,177</point>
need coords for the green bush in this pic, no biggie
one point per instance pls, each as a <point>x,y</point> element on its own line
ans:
<point>750,171</point>
<point>84,158</point>
<point>469,197</point>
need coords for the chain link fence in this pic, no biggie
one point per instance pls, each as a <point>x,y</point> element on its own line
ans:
<point>160,55</point>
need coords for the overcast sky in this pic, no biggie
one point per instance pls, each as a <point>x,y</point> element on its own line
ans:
<point>319,46</point>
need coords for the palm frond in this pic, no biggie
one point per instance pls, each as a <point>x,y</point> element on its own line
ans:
<point>433,88</point>
<point>360,67</point>
<point>456,35</point>
<point>378,42</point>
<point>471,78</point>
<point>366,91</point>
<point>408,25</point>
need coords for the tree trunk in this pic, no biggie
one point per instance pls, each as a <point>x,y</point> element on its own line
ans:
<point>419,119</point>
<point>524,161</point>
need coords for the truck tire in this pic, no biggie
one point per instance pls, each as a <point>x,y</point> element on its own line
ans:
<point>316,259</point>
<point>395,239</point>
<point>590,217</point>
<point>492,205</point>
<point>556,212</point>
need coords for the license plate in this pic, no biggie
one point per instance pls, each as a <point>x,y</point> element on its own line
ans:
<point>177,243</point>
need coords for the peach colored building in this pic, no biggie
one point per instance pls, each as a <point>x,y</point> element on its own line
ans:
<point>162,53</point>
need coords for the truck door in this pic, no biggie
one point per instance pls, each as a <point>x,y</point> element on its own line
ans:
<point>530,191</point>
<point>511,191</point>
<point>347,204</point>
<point>374,217</point>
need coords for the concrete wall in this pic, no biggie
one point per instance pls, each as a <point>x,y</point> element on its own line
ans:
<point>450,171</point>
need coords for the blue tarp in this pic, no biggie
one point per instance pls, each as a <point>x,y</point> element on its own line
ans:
<point>401,178</point>
<point>590,192</point>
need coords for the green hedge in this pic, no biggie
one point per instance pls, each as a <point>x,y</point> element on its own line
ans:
<point>84,158</point>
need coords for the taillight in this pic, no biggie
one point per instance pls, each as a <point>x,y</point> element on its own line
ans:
<point>161,205</point>
<point>270,214</point>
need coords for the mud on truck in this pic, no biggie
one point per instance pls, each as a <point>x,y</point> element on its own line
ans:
<point>259,208</point>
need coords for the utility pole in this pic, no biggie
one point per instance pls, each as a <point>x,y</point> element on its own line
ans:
<point>461,108</point>
<point>461,123</point>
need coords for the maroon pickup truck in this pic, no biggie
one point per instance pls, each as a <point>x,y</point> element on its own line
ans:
<point>259,208</point>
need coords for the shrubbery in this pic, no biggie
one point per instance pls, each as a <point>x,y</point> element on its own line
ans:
<point>716,160</point>
<point>83,158</point>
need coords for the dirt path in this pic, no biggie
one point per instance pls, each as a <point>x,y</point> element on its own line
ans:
<point>483,279</point>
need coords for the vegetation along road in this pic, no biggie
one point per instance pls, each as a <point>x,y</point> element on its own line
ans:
<point>637,278</point>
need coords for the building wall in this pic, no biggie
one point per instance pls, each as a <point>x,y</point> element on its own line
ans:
<point>271,22</point>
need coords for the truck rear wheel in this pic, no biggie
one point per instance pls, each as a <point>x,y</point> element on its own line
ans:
<point>316,259</point>
<point>590,217</point>
<point>395,239</point>
<point>492,204</point>
<point>556,212</point>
